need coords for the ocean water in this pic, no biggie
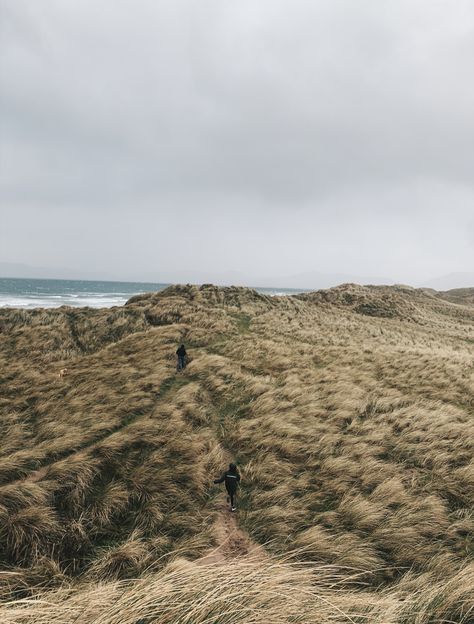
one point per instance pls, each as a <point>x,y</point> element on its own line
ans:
<point>46,293</point>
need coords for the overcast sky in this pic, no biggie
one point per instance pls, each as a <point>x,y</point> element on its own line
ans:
<point>143,138</point>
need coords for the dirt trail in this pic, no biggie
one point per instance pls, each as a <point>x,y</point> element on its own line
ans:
<point>231,540</point>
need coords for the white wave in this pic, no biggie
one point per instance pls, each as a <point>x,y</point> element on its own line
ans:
<point>99,300</point>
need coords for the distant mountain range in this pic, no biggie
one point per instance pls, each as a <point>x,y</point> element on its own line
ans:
<point>450,281</point>
<point>310,280</point>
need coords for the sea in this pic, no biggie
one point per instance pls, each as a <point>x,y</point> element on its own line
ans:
<point>53,293</point>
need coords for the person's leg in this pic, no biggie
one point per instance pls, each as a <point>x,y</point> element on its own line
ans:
<point>232,500</point>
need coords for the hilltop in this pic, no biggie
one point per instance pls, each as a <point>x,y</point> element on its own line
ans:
<point>459,295</point>
<point>349,411</point>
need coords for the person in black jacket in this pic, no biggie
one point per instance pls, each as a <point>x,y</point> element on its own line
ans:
<point>231,479</point>
<point>181,353</point>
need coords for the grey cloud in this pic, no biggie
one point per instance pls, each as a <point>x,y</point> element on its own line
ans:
<point>268,137</point>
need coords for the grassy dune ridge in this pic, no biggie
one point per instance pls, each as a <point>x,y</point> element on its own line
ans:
<point>349,410</point>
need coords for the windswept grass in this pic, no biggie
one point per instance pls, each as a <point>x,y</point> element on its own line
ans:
<point>350,412</point>
<point>272,591</point>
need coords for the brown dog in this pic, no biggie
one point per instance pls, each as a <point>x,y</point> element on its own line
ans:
<point>62,373</point>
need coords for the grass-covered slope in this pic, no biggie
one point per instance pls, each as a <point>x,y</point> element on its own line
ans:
<point>350,412</point>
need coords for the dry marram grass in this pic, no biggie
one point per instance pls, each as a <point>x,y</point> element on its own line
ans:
<point>350,414</point>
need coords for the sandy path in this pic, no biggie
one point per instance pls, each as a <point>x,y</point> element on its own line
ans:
<point>231,541</point>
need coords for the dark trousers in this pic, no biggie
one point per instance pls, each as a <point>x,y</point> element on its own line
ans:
<point>232,496</point>
<point>181,362</point>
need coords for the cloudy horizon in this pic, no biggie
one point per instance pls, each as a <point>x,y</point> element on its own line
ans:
<point>263,139</point>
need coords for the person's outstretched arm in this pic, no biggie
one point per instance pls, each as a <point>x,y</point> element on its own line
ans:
<point>221,480</point>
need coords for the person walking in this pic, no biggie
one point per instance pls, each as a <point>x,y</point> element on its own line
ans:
<point>231,478</point>
<point>181,353</point>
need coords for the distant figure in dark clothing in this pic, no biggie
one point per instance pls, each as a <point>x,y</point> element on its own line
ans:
<point>231,478</point>
<point>181,353</point>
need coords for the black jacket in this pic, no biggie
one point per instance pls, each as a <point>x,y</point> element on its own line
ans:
<point>181,352</point>
<point>231,480</point>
